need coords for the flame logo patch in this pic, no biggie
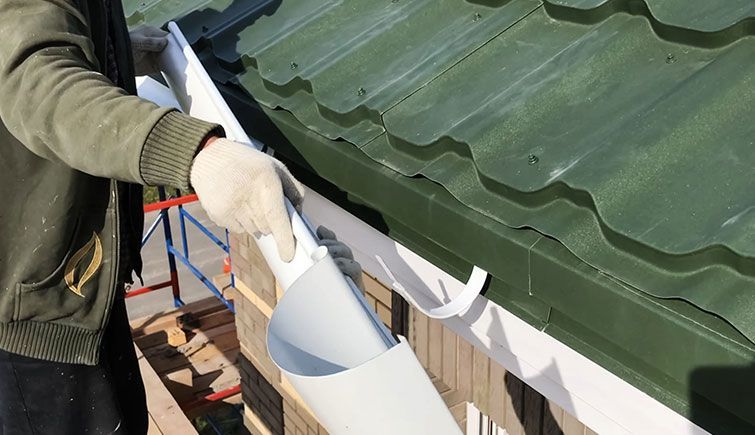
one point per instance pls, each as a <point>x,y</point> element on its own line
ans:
<point>93,245</point>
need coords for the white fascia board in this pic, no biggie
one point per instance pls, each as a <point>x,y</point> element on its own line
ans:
<point>598,398</point>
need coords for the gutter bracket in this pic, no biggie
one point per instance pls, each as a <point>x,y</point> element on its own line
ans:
<point>459,305</point>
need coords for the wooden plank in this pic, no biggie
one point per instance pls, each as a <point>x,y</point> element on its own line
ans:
<point>223,336</point>
<point>453,398</point>
<point>215,319</point>
<point>465,359</point>
<point>173,336</point>
<point>215,355</point>
<point>371,301</point>
<point>533,411</point>
<point>435,347</point>
<point>176,337</point>
<point>214,361</point>
<point>449,356</point>
<point>439,385</point>
<point>151,340</point>
<point>419,324</point>
<point>162,321</point>
<point>481,380</point>
<point>384,313</point>
<point>514,405</point>
<point>553,417</point>
<point>459,412</point>
<point>572,426</point>
<point>497,406</point>
<point>180,383</point>
<point>377,290</point>
<point>161,405</point>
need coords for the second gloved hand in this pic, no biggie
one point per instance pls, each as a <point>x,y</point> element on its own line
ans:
<point>146,43</point>
<point>242,189</point>
<point>342,256</point>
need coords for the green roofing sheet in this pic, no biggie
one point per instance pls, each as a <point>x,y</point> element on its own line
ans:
<point>695,15</point>
<point>594,156</point>
<point>623,129</point>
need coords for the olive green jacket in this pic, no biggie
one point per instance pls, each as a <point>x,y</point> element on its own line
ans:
<point>67,133</point>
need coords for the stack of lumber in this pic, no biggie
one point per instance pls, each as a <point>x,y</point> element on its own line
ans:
<point>193,350</point>
<point>165,415</point>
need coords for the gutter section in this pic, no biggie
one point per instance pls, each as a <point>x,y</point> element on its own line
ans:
<point>356,376</point>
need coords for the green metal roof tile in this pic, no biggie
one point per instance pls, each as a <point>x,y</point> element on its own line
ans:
<point>663,347</point>
<point>698,15</point>
<point>357,59</point>
<point>159,11</point>
<point>597,155</point>
<point>607,141</point>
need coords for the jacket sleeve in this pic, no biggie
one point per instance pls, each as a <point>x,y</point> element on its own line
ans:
<point>53,100</point>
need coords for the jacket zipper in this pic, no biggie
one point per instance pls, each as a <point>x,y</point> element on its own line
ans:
<point>114,252</point>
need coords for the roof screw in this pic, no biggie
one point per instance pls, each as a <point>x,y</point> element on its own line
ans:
<point>294,65</point>
<point>205,29</point>
<point>361,91</point>
<point>476,17</point>
<point>670,58</point>
<point>532,159</point>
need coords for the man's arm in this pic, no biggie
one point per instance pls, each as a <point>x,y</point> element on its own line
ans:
<point>55,103</point>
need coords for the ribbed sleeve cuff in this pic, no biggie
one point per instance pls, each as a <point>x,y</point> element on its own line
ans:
<point>170,149</point>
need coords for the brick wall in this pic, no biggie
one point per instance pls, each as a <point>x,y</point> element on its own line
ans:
<point>263,401</point>
<point>459,371</point>
<point>272,407</point>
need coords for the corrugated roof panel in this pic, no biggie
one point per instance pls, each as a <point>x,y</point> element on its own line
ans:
<point>621,129</point>
<point>647,135</point>
<point>351,61</point>
<point>698,15</point>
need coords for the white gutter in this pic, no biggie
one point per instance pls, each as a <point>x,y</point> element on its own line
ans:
<point>354,375</point>
<point>596,397</point>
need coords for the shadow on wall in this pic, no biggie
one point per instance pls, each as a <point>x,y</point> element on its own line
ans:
<point>734,386</point>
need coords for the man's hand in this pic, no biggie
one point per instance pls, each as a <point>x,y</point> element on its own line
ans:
<point>242,189</point>
<point>342,255</point>
<point>146,44</point>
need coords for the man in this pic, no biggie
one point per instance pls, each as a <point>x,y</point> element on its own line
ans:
<point>76,147</point>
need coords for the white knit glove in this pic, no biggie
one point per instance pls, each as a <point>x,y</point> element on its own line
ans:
<point>342,255</point>
<point>146,44</point>
<point>242,189</point>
